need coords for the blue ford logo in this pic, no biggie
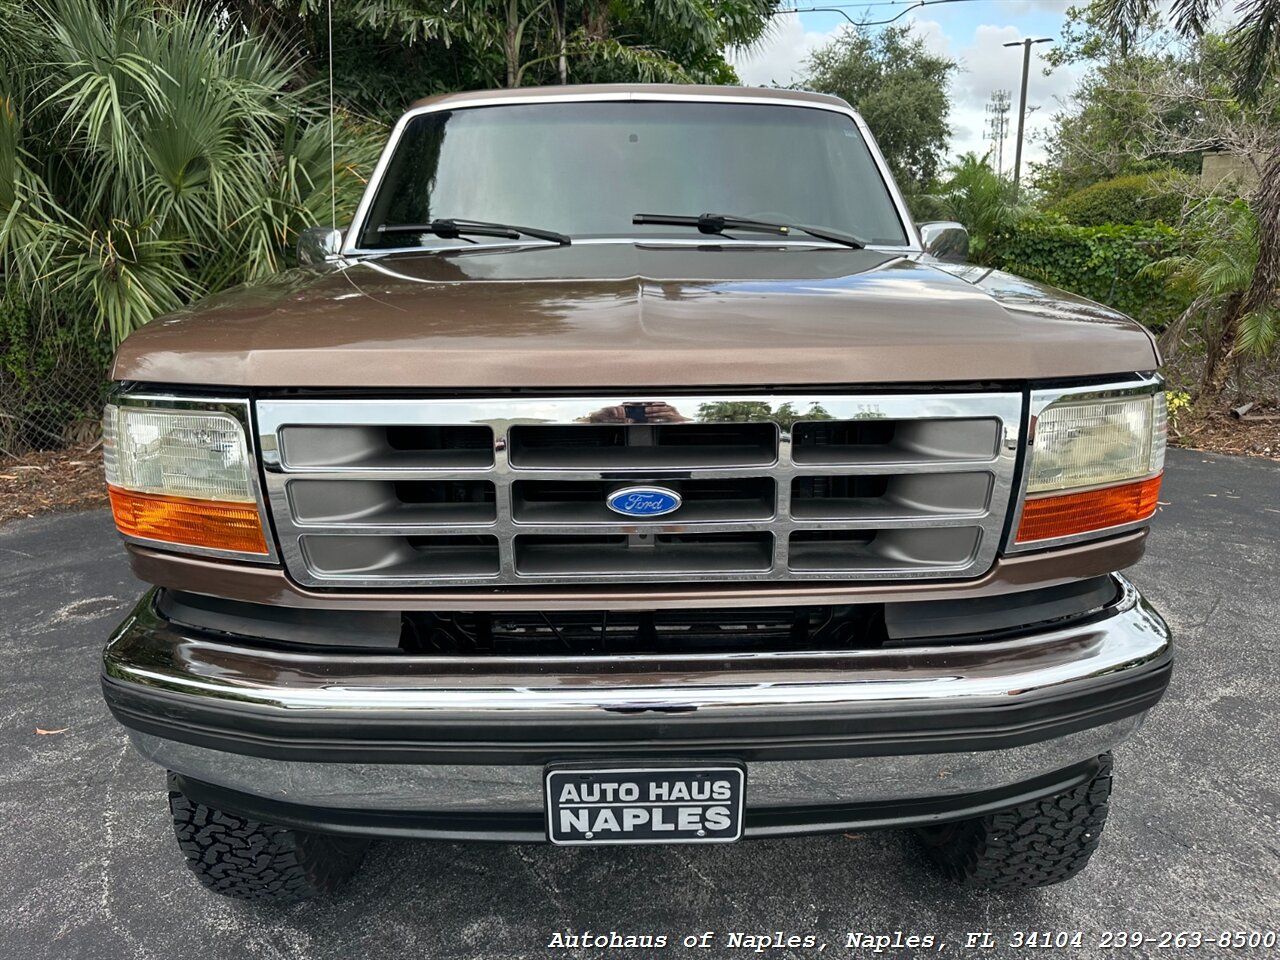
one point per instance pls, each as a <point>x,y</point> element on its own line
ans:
<point>644,501</point>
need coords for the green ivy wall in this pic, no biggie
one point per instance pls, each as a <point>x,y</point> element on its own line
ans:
<point>1103,263</point>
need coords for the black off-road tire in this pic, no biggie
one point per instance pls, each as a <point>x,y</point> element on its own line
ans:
<point>247,860</point>
<point>1032,845</point>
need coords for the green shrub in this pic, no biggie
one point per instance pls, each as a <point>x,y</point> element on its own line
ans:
<point>1102,263</point>
<point>1139,198</point>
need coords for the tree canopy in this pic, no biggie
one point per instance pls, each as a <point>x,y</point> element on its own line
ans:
<point>1235,94</point>
<point>388,53</point>
<point>1254,40</point>
<point>899,87</point>
<point>1103,131</point>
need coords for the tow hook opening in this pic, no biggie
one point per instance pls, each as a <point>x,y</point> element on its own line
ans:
<point>653,708</point>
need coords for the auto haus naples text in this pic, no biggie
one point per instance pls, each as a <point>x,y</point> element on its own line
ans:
<point>653,806</point>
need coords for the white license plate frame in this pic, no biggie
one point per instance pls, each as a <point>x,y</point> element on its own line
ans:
<point>676,802</point>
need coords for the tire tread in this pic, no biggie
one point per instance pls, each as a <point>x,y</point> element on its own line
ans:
<point>1035,844</point>
<point>247,860</point>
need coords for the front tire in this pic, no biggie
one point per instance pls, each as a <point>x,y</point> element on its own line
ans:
<point>247,860</point>
<point>1035,844</point>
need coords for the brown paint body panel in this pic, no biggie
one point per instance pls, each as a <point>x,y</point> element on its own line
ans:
<point>271,585</point>
<point>621,314</point>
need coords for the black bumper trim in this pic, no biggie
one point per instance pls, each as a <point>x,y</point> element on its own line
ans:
<point>349,736</point>
<point>530,826</point>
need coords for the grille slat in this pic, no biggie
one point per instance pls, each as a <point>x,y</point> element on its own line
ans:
<point>629,446</point>
<point>854,550</point>
<point>929,498</point>
<point>395,447</point>
<point>382,503</point>
<point>398,558</point>
<point>730,500</point>
<point>657,553</point>
<point>396,493</point>
<point>879,441</point>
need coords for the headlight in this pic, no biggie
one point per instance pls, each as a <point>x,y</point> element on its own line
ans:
<point>183,475</point>
<point>1095,462</point>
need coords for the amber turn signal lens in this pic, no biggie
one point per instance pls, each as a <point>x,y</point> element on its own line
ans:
<point>218,524</point>
<point>1046,518</point>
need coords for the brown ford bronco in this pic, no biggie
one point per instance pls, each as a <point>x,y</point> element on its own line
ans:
<point>634,470</point>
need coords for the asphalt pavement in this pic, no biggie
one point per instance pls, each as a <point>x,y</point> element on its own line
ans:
<point>89,867</point>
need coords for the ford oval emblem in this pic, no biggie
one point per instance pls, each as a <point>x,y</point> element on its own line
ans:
<point>644,501</point>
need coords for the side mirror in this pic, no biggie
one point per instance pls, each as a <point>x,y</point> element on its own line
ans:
<point>318,245</point>
<point>945,240</point>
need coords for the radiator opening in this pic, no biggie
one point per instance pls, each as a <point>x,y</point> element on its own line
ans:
<point>586,633</point>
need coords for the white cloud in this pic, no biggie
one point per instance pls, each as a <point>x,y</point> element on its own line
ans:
<point>985,65</point>
<point>1020,8</point>
<point>779,59</point>
<point>934,37</point>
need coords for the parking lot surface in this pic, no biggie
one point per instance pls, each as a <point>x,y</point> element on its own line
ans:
<point>89,868</point>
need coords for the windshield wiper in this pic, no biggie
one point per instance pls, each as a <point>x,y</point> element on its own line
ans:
<point>453,229</point>
<point>720,222</point>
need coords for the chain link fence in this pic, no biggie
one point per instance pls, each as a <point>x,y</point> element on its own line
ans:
<point>53,380</point>
<point>63,409</point>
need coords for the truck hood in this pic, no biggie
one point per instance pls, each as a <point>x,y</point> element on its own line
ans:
<point>608,315</point>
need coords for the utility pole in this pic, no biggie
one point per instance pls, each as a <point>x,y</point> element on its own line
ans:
<point>998,125</point>
<point>1022,103</point>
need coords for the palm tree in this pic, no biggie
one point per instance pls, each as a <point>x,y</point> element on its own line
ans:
<point>1215,271</point>
<point>1254,38</point>
<point>975,195</point>
<point>150,153</point>
<point>1253,44</point>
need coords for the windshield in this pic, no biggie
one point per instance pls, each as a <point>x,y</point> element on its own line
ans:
<point>586,168</point>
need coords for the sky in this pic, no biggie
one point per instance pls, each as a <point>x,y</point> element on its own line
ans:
<point>971,32</point>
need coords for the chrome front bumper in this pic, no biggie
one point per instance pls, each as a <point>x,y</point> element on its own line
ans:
<point>405,739</point>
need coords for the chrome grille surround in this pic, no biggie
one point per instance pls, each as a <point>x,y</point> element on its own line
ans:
<point>342,444</point>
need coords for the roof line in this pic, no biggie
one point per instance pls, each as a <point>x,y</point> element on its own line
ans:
<point>631,91</point>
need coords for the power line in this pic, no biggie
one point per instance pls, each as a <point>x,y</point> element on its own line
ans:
<point>856,5</point>
<point>840,8</point>
<point>851,6</point>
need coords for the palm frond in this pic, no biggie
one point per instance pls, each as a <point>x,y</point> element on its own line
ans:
<point>649,65</point>
<point>153,152</point>
<point>1258,332</point>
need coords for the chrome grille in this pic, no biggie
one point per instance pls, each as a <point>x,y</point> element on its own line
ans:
<point>401,493</point>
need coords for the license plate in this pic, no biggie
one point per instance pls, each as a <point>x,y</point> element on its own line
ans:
<point>644,804</point>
